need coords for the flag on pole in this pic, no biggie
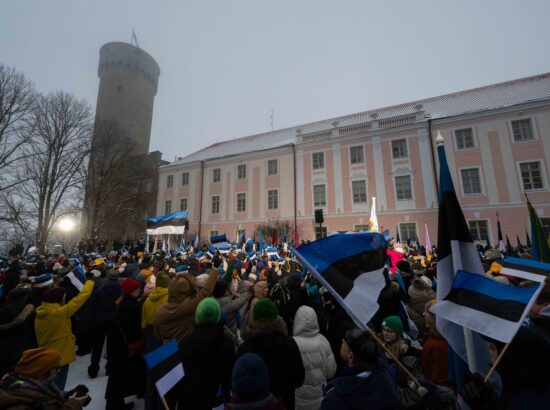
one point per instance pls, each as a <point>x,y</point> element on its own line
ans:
<point>456,251</point>
<point>501,246</point>
<point>508,244</point>
<point>196,241</point>
<point>77,277</point>
<point>373,219</point>
<point>397,239</point>
<point>540,250</point>
<point>165,366</point>
<point>519,242</point>
<point>261,241</point>
<point>527,240</point>
<point>428,241</point>
<point>351,267</point>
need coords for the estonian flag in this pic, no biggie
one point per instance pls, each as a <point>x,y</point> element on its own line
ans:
<point>456,251</point>
<point>165,367</point>
<point>77,277</point>
<point>351,267</point>
<point>540,250</point>
<point>501,246</point>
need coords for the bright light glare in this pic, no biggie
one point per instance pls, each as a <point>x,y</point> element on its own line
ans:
<point>66,224</point>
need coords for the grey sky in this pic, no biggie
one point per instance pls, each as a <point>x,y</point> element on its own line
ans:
<point>226,64</point>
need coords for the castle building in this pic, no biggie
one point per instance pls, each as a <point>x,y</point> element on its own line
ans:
<point>497,141</point>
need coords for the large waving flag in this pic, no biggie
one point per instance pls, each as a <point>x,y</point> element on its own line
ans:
<point>456,251</point>
<point>351,267</point>
<point>170,224</point>
<point>539,250</point>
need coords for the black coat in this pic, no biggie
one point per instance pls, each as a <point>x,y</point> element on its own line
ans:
<point>126,374</point>
<point>105,298</point>
<point>283,360</point>
<point>207,354</point>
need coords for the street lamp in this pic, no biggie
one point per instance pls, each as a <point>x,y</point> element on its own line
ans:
<point>66,225</point>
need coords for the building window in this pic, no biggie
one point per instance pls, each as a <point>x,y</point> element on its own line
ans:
<point>167,207</point>
<point>213,233</point>
<point>241,171</point>
<point>399,149</point>
<point>215,204</point>
<point>545,222</point>
<point>359,190</point>
<point>464,138</point>
<point>216,175</point>
<point>361,227</point>
<point>403,187</point>
<point>169,181</point>
<point>272,167</point>
<point>531,175</point>
<point>185,178</point>
<point>183,204</point>
<point>319,195</point>
<point>148,186</point>
<point>356,155</point>
<point>320,232</point>
<point>241,202</point>
<point>134,188</point>
<point>522,130</point>
<point>407,231</point>
<point>272,199</point>
<point>318,160</point>
<point>479,230</point>
<point>471,183</point>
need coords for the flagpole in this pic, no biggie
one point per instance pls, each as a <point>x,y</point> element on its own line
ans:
<point>496,363</point>
<point>166,407</point>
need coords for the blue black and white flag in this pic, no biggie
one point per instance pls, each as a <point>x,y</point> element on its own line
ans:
<point>165,367</point>
<point>170,224</point>
<point>351,267</point>
<point>525,269</point>
<point>77,277</point>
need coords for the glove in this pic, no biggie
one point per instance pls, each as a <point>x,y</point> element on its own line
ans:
<point>479,395</point>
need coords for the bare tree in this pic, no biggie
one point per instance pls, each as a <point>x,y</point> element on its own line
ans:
<point>109,179</point>
<point>17,100</point>
<point>52,166</point>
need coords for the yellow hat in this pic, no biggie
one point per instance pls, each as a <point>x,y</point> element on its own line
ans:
<point>34,362</point>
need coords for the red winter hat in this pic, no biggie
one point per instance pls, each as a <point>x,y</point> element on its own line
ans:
<point>54,295</point>
<point>129,285</point>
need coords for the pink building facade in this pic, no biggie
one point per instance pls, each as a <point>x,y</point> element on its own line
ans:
<point>497,141</point>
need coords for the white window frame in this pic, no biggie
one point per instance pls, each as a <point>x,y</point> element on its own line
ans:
<point>170,181</point>
<point>395,187</point>
<point>481,182</point>
<point>148,186</point>
<point>313,194</point>
<point>184,179</point>
<point>406,147</point>
<point>245,172</point>
<point>214,175</point>
<point>276,167</point>
<point>403,237</point>
<point>362,154</point>
<point>237,204</point>
<point>313,162</point>
<point>366,192</point>
<point>474,138</point>
<point>213,233</point>
<point>167,207</point>
<point>542,172</point>
<point>488,228</point>
<point>267,200</point>
<point>355,227</point>
<point>186,204</point>
<point>533,129</point>
<point>212,205</point>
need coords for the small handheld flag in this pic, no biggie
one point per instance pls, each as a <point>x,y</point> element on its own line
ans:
<point>165,366</point>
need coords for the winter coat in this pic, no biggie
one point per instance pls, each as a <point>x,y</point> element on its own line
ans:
<point>207,355</point>
<point>359,390</point>
<point>105,299</point>
<point>434,360</point>
<point>157,297</point>
<point>419,295</point>
<point>230,306</point>
<point>21,393</point>
<point>53,324</point>
<point>389,301</point>
<point>395,257</point>
<point>281,355</point>
<point>319,362</point>
<point>177,317</point>
<point>16,333</point>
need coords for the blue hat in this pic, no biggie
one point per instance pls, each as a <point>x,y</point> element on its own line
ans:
<point>250,376</point>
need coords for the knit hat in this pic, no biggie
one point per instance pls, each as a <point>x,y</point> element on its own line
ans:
<point>43,281</point>
<point>129,286</point>
<point>208,312</point>
<point>113,274</point>
<point>250,377</point>
<point>265,309</point>
<point>426,281</point>
<point>54,295</point>
<point>96,273</point>
<point>34,362</point>
<point>201,280</point>
<point>162,280</point>
<point>394,323</point>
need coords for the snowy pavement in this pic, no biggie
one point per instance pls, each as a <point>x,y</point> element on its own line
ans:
<point>78,374</point>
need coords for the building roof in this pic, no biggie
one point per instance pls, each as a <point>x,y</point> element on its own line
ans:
<point>491,97</point>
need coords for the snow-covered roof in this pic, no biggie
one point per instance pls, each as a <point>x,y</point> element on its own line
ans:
<point>491,97</point>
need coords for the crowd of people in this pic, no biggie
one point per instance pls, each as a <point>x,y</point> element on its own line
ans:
<point>255,331</point>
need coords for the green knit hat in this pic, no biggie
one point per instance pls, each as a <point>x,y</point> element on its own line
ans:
<point>394,323</point>
<point>208,312</point>
<point>265,309</point>
<point>162,280</point>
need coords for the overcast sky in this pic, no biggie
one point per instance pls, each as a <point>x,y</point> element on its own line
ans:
<point>226,64</point>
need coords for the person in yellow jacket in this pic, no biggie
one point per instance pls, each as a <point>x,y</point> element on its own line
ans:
<point>53,325</point>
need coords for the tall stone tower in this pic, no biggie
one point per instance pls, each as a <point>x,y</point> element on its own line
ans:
<point>127,89</point>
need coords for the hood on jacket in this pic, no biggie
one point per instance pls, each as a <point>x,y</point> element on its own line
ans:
<point>157,294</point>
<point>46,309</point>
<point>181,288</point>
<point>259,289</point>
<point>305,322</point>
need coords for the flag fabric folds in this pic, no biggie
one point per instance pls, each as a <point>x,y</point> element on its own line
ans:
<point>539,249</point>
<point>428,241</point>
<point>77,277</point>
<point>165,366</point>
<point>501,246</point>
<point>173,223</point>
<point>351,267</point>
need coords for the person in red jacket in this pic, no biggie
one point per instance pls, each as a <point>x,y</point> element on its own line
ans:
<point>434,355</point>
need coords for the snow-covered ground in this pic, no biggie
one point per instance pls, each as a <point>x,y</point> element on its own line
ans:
<point>78,374</point>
